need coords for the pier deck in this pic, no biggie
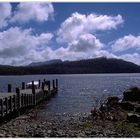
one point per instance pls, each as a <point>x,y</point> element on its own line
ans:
<point>25,98</point>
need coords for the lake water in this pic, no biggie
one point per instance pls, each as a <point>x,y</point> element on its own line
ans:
<point>77,93</point>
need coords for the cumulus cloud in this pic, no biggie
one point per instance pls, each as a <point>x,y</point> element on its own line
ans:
<point>78,24</point>
<point>19,46</point>
<point>86,42</point>
<point>133,57</point>
<point>126,42</point>
<point>39,11</point>
<point>5,13</point>
<point>127,48</point>
<point>78,32</point>
<point>67,54</point>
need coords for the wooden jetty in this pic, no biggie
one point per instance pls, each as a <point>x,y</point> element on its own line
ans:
<point>25,98</point>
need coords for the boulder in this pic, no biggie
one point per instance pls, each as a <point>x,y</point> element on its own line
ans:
<point>133,94</point>
<point>137,109</point>
<point>112,101</point>
<point>127,106</point>
<point>133,118</point>
<point>94,112</point>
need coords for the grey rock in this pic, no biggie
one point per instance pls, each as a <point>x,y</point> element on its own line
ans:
<point>133,118</point>
<point>49,131</point>
<point>137,109</point>
<point>126,105</point>
<point>2,135</point>
<point>133,94</point>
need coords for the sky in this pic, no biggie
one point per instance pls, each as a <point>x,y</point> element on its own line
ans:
<point>42,31</point>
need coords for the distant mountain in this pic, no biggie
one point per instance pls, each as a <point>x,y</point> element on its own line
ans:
<point>54,61</point>
<point>89,66</point>
<point>97,65</point>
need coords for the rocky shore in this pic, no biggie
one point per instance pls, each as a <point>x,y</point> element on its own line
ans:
<point>113,118</point>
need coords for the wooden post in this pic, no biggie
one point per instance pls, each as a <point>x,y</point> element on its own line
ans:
<point>39,84</point>
<point>33,87</point>
<point>42,85</point>
<point>23,85</point>
<point>56,83</point>
<point>14,100</point>
<point>10,104</point>
<point>22,98</point>
<point>25,100</point>
<point>53,84</point>
<point>49,85</point>
<point>44,80</point>
<point>33,92</point>
<point>1,104</point>
<point>36,98</point>
<point>30,103</point>
<point>9,88</point>
<point>28,99</point>
<point>18,98</point>
<point>6,105</point>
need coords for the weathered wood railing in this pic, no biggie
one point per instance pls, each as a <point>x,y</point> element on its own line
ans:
<point>25,98</point>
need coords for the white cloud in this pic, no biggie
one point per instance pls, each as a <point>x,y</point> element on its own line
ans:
<point>126,43</point>
<point>18,46</point>
<point>39,11</point>
<point>78,32</point>
<point>23,47</point>
<point>67,54</point>
<point>5,13</point>
<point>134,58</point>
<point>85,43</point>
<point>79,24</point>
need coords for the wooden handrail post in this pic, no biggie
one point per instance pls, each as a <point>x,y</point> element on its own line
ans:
<point>39,83</point>
<point>18,98</point>
<point>33,92</point>
<point>1,104</point>
<point>43,85</point>
<point>14,100</point>
<point>53,84</point>
<point>49,85</point>
<point>6,105</point>
<point>25,100</point>
<point>33,87</point>
<point>10,105</point>
<point>22,98</point>
<point>9,88</point>
<point>56,83</point>
<point>23,85</point>
<point>30,100</point>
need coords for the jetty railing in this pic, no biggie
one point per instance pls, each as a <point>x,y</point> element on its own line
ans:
<point>25,98</point>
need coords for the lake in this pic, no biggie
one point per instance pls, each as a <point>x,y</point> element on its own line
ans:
<point>77,93</point>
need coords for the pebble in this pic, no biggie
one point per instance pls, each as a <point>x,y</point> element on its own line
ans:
<point>55,127</point>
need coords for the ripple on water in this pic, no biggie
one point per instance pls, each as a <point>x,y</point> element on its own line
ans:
<point>77,93</point>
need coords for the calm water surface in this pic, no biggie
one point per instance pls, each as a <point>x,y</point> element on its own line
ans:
<point>77,93</point>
